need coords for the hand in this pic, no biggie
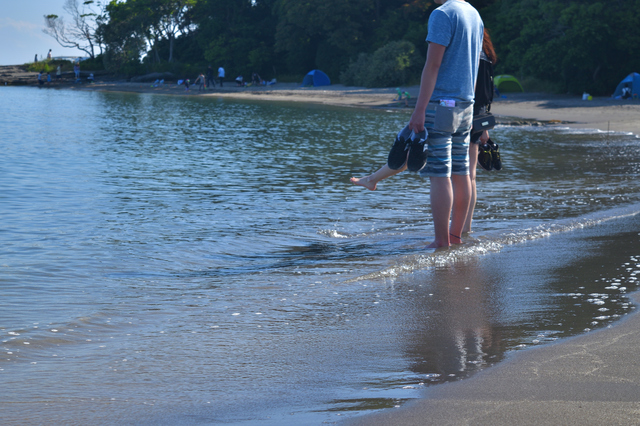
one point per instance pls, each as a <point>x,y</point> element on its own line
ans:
<point>484,137</point>
<point>417,122</point>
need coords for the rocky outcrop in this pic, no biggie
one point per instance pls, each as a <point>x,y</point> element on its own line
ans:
<point>17,75</point>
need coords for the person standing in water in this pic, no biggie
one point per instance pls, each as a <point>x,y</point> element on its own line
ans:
<point>483,100</point>
<point>444,108</point>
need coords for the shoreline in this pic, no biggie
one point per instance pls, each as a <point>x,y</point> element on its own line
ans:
<point>601,113</point>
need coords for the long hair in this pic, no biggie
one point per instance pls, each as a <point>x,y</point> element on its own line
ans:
<point>487,47</point>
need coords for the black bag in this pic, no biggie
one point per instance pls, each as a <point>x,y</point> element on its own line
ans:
<point>482,118</point>
<point>484,84</point>
<point>483,121</point>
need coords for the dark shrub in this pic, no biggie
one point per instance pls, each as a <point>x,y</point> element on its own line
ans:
<point>394,64</point>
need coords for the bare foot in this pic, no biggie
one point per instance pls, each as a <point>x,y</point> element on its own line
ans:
<point>365,181</point>
<point>435,245</point>
<point>455,240</point>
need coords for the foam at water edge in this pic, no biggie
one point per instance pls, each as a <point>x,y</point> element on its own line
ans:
<point>494,242</point>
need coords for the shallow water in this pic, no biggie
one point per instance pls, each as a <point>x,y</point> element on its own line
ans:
<point>196,260</point>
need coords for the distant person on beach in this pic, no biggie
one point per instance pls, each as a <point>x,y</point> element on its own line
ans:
<point>407,96</point>
<point>210,81</point>
<point>58,73</point>
<point>220,75</point>
<point>239,81</point>
<point>200,82</point>
<point>436,140</point>
<point>483,99</point>
<point>255,79</point>
<point>626,91</point>
<point>35,60</point>
<point>76,70</point>
<point>399,96</point>
<point>49,55</point>
<point>40,80</point>
<point>48,79</point>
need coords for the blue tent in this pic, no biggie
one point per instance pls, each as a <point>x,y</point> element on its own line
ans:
<point>316,78</point>
<point>633,80</point>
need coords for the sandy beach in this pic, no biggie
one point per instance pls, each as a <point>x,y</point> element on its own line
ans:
<point>601,113</point>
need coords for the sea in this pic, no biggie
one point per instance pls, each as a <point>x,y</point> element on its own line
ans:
<point>193,260</point>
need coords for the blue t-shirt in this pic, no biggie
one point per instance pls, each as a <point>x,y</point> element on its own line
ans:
<point>457,26</point>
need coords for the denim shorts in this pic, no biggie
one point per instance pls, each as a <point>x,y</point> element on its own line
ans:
<point>448,148</point>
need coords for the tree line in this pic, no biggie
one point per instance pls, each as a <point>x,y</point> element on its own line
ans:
<point>564,45</point>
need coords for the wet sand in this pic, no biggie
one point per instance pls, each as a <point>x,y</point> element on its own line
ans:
<point>592,379</point>
<point>603,113</point>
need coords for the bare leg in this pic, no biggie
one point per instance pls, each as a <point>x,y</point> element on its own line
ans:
<point>441,205</point>
<point>371,182</point>
<point>461,200</point>
<point>473,162</point>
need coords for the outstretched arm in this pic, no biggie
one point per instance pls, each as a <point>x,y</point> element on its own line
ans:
<point>430,71</point>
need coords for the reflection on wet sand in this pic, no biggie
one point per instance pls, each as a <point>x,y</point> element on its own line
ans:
<point>471,314</point>
<point>457,336</point>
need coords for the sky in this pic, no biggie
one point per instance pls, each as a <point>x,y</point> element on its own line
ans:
<point>21,36</point>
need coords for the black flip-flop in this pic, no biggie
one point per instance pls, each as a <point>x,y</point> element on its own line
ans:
<point>496,161</point>
<point>398,154</point>
<point>417,151</point>
<point>485,158</point>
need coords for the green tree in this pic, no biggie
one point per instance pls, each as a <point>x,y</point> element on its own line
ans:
<point>322,33</point>
<point>153,21</point>
<point>237,34</point>
<point>125,34</point>
<point>580,45</point>
<point>394,64</point>
<point>402,20</point>
<point>169,19</point>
